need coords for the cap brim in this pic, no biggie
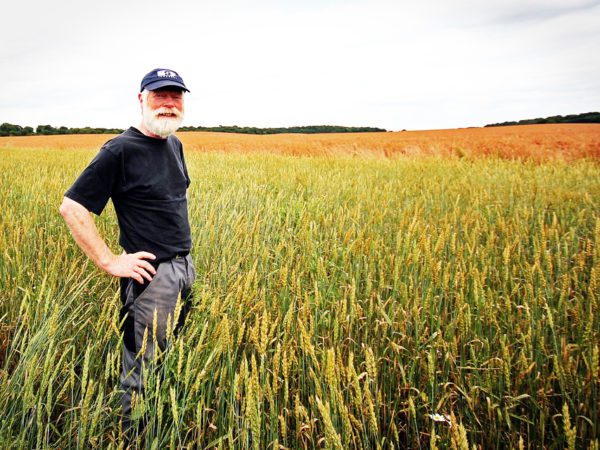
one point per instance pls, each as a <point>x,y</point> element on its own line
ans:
<point>165,83</point>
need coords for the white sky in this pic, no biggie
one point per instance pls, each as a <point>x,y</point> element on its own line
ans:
<point>391,64</point>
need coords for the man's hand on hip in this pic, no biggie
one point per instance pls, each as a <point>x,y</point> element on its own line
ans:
<point>132,265</point>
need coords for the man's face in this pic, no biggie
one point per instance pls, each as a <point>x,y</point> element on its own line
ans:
<point>162,110</point>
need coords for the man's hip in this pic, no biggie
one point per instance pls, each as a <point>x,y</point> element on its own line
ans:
<point>157,301</point>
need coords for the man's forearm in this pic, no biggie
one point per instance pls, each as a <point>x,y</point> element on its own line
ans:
<point>84,231</point>
<point>83,228</point>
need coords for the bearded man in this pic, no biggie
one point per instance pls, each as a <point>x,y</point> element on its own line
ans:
<point>143,171</point>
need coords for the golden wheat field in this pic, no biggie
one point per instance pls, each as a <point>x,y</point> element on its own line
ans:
<point>538,142</point>
<point>436,289</point>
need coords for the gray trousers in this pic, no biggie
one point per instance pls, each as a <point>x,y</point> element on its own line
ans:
<point>140,304</point>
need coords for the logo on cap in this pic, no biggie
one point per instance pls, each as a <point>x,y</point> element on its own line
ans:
<point>166,73</point>
<point>160,77</point>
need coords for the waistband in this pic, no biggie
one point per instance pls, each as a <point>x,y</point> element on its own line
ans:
<point>177,255</point>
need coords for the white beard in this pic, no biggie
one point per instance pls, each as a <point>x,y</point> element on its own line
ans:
<point>161,125</point>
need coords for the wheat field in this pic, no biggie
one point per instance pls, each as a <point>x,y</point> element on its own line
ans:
<point>350,294</point>
<point>566,142</point>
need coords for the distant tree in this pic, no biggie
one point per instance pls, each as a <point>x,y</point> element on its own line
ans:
<point>46,129</point>
<point>9,129</point>
<point>590,117</point>
<point>309,129</point>
<point>49,129</point>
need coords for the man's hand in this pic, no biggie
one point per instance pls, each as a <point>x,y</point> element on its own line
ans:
<point>132,265</point>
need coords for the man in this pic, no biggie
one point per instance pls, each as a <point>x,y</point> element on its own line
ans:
<point>143,170</point>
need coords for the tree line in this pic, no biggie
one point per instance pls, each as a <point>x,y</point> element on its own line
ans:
<point>309,129</point>
<point>590,117</point>
<point>9,129</point>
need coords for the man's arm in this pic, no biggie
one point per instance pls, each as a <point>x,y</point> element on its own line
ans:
<point>84,230</point>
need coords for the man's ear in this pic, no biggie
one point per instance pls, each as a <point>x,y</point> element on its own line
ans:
<point>141,101</point>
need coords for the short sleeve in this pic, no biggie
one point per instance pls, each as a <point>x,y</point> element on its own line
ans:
<point>96,183</point>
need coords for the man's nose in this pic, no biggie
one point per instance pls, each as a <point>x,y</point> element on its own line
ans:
<point>168,101</point>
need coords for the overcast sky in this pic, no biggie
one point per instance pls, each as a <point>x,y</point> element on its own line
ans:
<point>391,64</point>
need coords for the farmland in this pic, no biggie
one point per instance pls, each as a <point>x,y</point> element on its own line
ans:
<point>382,290</point>
<point>533,142</point>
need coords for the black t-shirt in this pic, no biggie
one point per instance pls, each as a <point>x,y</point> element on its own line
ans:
<point>147,180</point>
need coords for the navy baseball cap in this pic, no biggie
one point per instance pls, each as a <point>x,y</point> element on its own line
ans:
<point>159,78</point>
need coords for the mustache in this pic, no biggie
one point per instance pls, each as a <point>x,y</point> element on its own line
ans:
<point>167,113</point>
